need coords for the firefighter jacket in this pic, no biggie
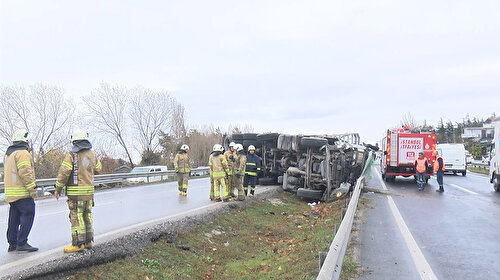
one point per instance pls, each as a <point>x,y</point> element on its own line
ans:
<point>181,162</point>
<point>239,165</point>
<point>230,158</point>
<point>218,165</point>
<point>438,164</point>
<point>421,165</point>
<point>19,175</point>
<point>252,165</point>
<point>77,174</point>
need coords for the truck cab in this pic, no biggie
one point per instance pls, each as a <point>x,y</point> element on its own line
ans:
<point>495,157</point>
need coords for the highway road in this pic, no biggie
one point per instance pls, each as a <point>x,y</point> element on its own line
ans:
<point>413,234</point>
<point>115,210</point>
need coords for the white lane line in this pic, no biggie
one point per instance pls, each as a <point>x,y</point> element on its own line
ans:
<point>462,189</point>
<point>423,267</point>
<point>40,255</point>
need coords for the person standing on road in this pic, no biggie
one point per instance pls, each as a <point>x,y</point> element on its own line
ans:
<point>439,170</point>
<point>420,169</point>
<point>239,170</point>
<point>77,174</point>
<point>251,169</point>
<point>182,169</point>
<point>218,172</point>
<point>230,156</point>
<point>19,182</point>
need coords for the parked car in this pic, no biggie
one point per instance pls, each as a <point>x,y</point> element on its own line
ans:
<point>143,178</point>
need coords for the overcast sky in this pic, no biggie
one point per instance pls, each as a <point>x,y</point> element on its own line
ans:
<point>281,66</point>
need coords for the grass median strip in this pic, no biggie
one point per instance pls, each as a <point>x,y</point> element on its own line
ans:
<point>277,238</point>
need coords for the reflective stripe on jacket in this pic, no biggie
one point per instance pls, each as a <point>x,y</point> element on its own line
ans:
<point>436,163</point>
<point>420,165</point>
<point>181,163</point>
<point>19,176</point>
<point>252,165</point>
<point>87,165</point>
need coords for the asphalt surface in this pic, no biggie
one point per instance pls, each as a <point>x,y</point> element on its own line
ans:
<point>450,235</point>
<point>124,219</point>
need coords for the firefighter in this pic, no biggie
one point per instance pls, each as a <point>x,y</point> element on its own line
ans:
<point>421,166</point>
<point>182,168</point>
<point>239,170</point>
<point>19,182</point>
<point>251,169</point>
<point>77,174</point>
<point>230,156</point>
<point>439,170</point>
<point>218,173</point>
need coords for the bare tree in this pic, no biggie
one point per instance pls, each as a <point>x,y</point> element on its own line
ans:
<point>178,127</point>
<point>40,109</point>
<point>409,121</point>
<point>150,113</point>
<point>108,105</point>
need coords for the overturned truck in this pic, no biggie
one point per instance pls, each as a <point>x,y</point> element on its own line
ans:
<point>316,167</point>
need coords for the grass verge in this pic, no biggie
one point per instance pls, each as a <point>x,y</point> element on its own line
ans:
<point>478,170</point>
<point>278,238</point>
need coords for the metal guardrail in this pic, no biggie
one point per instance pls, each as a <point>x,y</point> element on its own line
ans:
<point>332,264</point>
<point>479,165</point>
<point>116,178</point>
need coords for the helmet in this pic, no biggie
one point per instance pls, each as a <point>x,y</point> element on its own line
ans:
<point>231,144</point>
<point>251,147</point>
<point>185,148</point>
<point>238,147</point>
<point>218,148</point>
<point>20,135</point>
<point>79,134</point>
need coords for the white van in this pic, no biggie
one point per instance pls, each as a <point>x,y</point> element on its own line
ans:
<point>453,157</point>
<point>148,169</point>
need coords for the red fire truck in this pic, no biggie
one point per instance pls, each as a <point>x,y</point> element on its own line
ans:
<point>401,148</point>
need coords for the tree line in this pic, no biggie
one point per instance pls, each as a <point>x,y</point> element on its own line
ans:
<point>120,121</point>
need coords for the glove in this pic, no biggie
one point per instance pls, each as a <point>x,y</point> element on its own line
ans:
<point>176,170</point>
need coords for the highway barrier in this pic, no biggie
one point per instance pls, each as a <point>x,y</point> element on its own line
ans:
<point>119,177</point>
<point>331,265</point>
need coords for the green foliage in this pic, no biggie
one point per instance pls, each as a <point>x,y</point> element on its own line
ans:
<point>150,158</point>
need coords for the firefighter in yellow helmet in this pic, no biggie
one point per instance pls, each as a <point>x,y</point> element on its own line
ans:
<point>230,156</point>
<point>182,168</point>
<point>77,174</point>
<point>19,182</point>
<point>239,170</point>
<point>218,172</point>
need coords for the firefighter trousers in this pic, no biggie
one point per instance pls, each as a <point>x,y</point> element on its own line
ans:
<point>80,217</point>
<point>231,184</point>
<point>238,184</point>
<point>252,180</point>
<point>216,184</point>
<point>182,181</point>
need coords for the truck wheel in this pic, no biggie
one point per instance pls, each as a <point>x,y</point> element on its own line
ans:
<point>313,142</point>
<point>308,194</point>
<point>265,181</point>
<point>496,183</point>
<point>280,180</point>
<point>464,172</point>
<point>293,180</point>
<point>267,136</point>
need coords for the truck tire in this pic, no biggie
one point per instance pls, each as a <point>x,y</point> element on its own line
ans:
<point>313,142</point>
<point>309,194</point>
<point>291,188</point>
<point>267,137</point>
<point>464,172</point>
<point>496,183</point>
<point>266,181</point>
<point>280,180</point>
<point>237,137</point>
<point>293,180</point>
<point>250,136</point>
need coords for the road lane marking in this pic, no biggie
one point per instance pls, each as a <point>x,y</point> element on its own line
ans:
<point>462,189</point>
<point>40,255</point>
<point>423,267</point>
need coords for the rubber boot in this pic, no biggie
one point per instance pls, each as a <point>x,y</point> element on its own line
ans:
<point>73,248</point>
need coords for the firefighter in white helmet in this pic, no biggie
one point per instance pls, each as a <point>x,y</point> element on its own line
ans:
<point>251,170</point>
<point>77,174</point>
<point>19,182</point>
<point>218,172</point>
<point>230,156</point>
<point>182,168</point>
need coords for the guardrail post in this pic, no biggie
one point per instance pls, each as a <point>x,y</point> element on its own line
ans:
<point>344,210</point>
<point>322,257</point>
<point>335,230</point>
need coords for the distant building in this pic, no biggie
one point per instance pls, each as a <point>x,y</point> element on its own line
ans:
<point>479,134</point>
